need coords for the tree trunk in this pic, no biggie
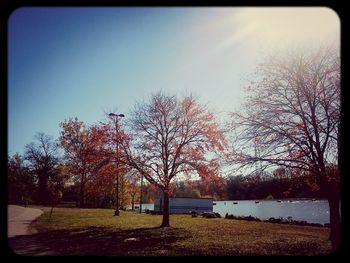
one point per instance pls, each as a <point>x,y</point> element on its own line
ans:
<point>332,189</point>
<point>51,212</point>
<point>81,196</point>
<point>141,194</point>
<point>43,192</point>
<point>334,216</point>
<point>122,192</point>
<point>165,222</point>
<point>132,203</point>
<point>52,206</point>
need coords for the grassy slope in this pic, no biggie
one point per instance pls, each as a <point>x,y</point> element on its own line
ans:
<point>98,232</point>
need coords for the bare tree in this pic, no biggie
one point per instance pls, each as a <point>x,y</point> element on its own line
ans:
<point>20,181</point>
<point>291,119</point>
<point>169,137</point>
<point>43,158</point>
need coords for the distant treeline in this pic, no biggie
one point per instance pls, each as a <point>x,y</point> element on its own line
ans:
<point>268,186</point>
<point>280,183</point>
<point>33,180</point>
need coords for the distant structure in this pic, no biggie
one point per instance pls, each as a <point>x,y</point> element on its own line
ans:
<point>180,205</point>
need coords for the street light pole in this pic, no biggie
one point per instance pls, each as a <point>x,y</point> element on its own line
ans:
<point>116,212</point>
<point>141,194</point>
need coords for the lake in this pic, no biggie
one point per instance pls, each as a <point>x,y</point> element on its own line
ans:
<point>299,209</point>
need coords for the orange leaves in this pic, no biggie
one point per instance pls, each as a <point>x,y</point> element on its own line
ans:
<point>80,143</point>
<point>196,153</point>
<point>286,193</point>
<point>208,171</point>
<point>172,136</point>
<point>280,171</point>
<point>73,136</point>
<point>216,137</point>
<point>210,175</point>
<point>332,174</point>
<point>86,150</point>
<point>296,154</point>
<point>312,184</point>
<point>102,181</point>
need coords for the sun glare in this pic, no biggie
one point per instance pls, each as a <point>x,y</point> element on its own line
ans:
<point>290,26</point>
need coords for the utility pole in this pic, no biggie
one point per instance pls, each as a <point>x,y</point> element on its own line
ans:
<point>141,194</point>
<point>116,212</point>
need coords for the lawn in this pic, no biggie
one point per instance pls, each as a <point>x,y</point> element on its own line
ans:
<point>98,232</point>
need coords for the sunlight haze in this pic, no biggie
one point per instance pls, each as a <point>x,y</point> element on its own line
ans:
<point>81,62</point>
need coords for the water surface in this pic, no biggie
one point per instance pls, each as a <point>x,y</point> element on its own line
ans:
<point>299,209</point>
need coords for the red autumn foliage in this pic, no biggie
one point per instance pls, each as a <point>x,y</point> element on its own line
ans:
<point>169,137</point>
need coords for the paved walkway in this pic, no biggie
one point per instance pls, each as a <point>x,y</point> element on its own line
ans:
<point>22,239</point>
<point>19,219</point>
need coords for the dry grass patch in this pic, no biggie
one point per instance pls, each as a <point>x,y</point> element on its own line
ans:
<point>99,232</point>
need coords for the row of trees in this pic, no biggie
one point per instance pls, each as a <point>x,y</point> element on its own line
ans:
<point>38,174</point>
<point>279,184</point>
<point>42,174</point>
<point>291,119</point>
<point>100,191</point>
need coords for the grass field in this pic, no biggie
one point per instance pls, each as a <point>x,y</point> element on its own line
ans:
<point>98,232</point>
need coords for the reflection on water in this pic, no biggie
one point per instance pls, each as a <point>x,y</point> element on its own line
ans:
<point>312,211</point>
<point>298,209</point>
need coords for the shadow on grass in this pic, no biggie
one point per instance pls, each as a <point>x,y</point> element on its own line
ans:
<point>100,241</point>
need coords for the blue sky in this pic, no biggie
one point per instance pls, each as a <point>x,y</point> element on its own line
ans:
<point>82,62</point>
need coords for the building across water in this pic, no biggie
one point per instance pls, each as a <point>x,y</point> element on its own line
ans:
<point>180,205</point>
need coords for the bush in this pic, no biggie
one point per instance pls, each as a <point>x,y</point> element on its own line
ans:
<point>274,220</point>
<point>209,215</point>
<point>269,197</point>
<point>279,220</point>
<point>217,215</point>
<point>193,213</point>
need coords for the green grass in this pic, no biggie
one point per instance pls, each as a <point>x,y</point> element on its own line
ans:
<point>98,232</point>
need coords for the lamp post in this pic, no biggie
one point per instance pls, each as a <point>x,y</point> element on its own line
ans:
<point>116,212</point>
<point>141,194</point>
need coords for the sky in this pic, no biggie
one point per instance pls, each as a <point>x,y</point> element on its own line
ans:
<point>84,62</point>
